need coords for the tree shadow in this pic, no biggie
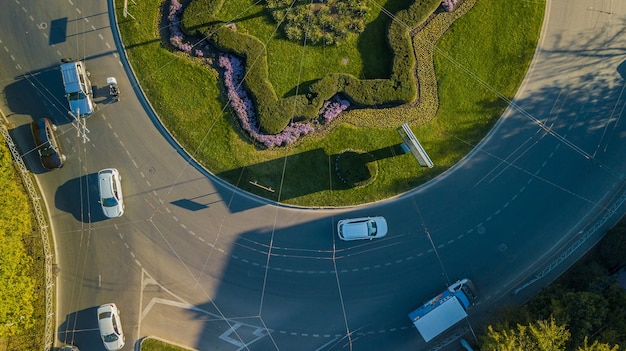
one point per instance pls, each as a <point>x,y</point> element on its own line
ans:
<point>305,173</point>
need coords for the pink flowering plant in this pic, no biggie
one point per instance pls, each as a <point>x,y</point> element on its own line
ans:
<point>332,108</point>
<point>243,107</point>
<point>177,38</point>
<point>450,5</point>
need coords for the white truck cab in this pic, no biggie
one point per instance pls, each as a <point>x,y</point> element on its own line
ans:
<point>78,88</point>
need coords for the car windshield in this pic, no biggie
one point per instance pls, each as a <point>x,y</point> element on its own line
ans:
<point>371,228</point>
<point>109,202</point>
<point>110,338</point>
<point>76,96</point>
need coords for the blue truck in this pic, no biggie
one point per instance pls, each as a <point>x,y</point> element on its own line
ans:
<point>444,310</point>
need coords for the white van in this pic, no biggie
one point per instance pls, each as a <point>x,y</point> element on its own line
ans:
<point>77,88</point>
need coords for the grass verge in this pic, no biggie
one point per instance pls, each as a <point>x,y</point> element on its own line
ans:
<point>22,270</point>
<point>151,344</point>
<point>495,41</point>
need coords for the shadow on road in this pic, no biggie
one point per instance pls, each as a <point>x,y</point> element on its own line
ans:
<point>81,329</point>
<point>84,204</point>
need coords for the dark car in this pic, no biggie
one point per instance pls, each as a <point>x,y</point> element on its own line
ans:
<point>47,143</point>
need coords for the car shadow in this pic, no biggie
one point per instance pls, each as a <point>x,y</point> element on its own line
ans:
<point>80,328</point>
<point>23,139</point>
<point>84,204</point>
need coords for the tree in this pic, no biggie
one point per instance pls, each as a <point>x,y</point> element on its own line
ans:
<point>596,346</point>
<point>538,336</point>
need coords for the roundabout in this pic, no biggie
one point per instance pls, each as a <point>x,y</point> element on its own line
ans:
<point>197,262</point>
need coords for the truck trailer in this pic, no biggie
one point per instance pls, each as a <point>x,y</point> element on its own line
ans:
<point>444,310</point>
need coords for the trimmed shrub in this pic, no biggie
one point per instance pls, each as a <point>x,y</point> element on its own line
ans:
<point>274,115</point>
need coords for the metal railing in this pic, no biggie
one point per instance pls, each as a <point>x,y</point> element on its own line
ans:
<point>584,236</point>
<point>43,231</point>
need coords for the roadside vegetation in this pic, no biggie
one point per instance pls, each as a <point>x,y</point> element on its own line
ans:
<point>584,310</point>
<point>151,344</point>
<point>22,279</point>
<point>186,94</point>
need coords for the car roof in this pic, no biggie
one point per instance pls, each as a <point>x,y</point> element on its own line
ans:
<point>353,230</point>
<point>39,131</point>
<point>105,314</point>
<point>104,179</point>
<point>70,72</point>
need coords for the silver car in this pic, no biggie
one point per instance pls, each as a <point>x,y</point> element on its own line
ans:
<point>111,198</point>
<point>110,327</point>
<point>362,228</point>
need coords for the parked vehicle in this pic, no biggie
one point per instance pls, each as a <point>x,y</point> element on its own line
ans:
<point>111,198</point>
<point>78,90</point>
<point>110,327</point>
<point>47,143</point>
<point>69,348</point>
<point>362,228</point>
<point>444,310</point>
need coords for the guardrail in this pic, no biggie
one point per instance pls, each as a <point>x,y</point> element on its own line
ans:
<point>43,231</point>
<point>583,237</point>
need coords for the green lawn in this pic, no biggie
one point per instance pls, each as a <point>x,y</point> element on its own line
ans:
<point>494,41</point>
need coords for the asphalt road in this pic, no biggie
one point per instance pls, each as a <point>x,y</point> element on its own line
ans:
<point>195,262</point>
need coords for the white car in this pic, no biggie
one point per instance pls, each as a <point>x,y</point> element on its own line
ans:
<point>362,228</point>
<point>111,199</point>
<point>110,327</point>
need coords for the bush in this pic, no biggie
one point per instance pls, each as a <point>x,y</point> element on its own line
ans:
<point>275,115</point>
<point>327,22</point>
